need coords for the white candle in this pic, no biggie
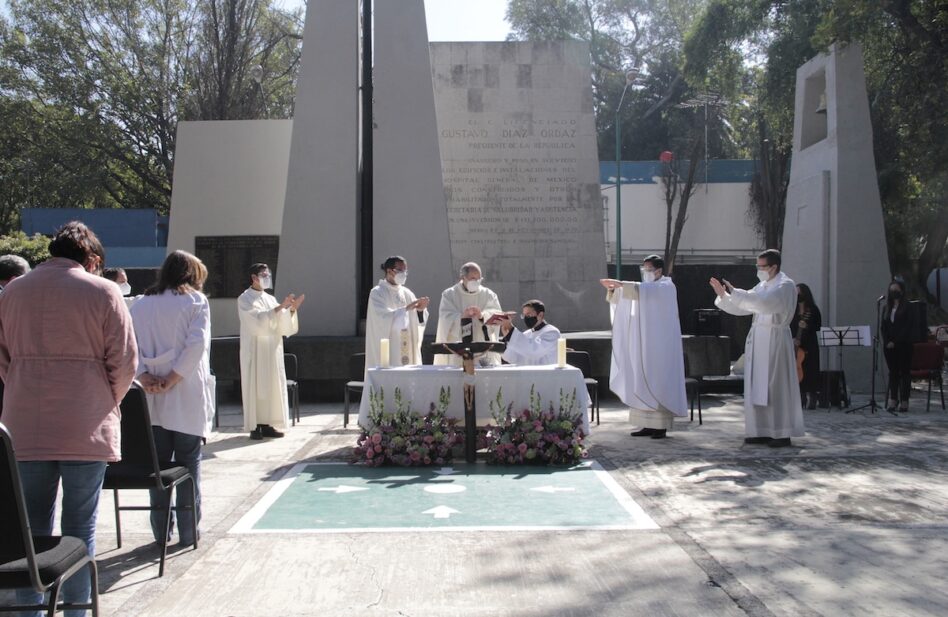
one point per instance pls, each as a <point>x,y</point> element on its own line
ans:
<point>383,353</point>
<point>561,352</point>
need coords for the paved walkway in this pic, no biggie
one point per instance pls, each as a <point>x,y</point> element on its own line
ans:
<point>850,521</point>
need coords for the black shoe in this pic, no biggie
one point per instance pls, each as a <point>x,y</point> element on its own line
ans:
<point>644,432</point>
<point>890,408</point>
<point>255,434</point>
<point>903,409</point>
<point>659,433</point>
<point>783,442</point>
<point>752,441</point>
<point>268,431</point>
<point>812,402</point>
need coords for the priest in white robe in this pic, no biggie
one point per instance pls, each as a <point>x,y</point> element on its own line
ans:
<point>465,310</point>
<point>394,313</point>
<point>537,344</point>
<point>263,324</point>
<point>772,409</point>
<point>648,367</point>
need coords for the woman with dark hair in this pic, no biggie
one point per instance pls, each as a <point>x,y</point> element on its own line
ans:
<point>896,333</point>
<point>806,322</point>
<point>173,326</point>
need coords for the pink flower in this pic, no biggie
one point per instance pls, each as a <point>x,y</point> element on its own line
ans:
<point>378,448</point>
<point>522,447</point>
<point>415,456</point>
<point>369,454</point>
<point>377,438</point>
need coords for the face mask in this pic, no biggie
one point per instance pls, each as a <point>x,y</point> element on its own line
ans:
<point>648,276</point>
<point>125,288</point>
<point>266,282</point>
<point>401,277</point>
<point>895,294</point>
<point>530,321</point>
<point>763,276</point>
<point>473,286</point>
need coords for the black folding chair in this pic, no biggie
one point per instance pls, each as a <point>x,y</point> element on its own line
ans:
<point>42,563</point>
<point>291,364</point>
<point>355,383</point>
<point>139,468</point>
<point>580,359</point>
<point>693,392</point>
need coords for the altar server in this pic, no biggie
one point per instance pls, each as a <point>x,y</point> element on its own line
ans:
<point>648,370</point>
<point>395,314</point>
<point>772,409</point>
<point>263,324</point>
<point>463,315</point>
<point>535,345</point>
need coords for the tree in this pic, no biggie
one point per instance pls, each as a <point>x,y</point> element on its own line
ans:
<point>34,249</point>
<point>97,87</point>
<point>768,189</point>
<point>681,189</point>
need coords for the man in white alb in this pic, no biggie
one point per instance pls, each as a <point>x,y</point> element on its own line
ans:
<point>772,409</point>
<point>464,313</point>
<point>395,314</point>
<point>535,345</point>
<point>648,367</point>
<point>263,324</point>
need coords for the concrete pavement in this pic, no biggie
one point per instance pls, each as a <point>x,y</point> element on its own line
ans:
<point>852,520</point>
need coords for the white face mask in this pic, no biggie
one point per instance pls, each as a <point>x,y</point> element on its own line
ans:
<point>763,276</point>
<point>401,277</point>
<point>266,282</point>
<point>473,286</point>
<point>125,288</point>
<point>648,276</point>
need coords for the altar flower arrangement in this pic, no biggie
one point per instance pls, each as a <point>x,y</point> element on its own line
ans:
<point>405,437</point>
<point>552,436</point>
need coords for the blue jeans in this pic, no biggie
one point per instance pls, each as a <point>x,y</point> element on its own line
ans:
<point>82,485</point>
<point>184,450</point>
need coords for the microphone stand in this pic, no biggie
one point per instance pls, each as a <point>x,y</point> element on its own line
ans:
<point>872,404</point>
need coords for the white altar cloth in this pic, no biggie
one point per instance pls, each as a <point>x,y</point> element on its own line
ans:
<point>422,385</point>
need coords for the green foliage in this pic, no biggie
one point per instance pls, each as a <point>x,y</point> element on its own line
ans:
<point>92,91</point>
<point>34,249</point>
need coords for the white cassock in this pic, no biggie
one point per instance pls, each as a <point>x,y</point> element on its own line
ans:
<point>262,373</point>
<point>532,347</point>
<point>453,302</point>
<point>386,317</point>
<point>174,334</point>
<point>771,391</point>
<point>648,367</point>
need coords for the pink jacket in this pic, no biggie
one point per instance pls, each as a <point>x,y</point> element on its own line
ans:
<point>67,357</point>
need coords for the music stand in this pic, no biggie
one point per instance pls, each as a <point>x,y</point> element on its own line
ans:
<point>468,351</point>
<point>839,337</point>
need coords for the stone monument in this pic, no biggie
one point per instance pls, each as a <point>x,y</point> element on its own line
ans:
<point>833,239</point>
<point>521,173</point>
<point>409,215</point>
<point>318,244</point>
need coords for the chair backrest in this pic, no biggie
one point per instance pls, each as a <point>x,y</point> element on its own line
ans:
<point>356,367</point>
<point>16,541</point>
<point>291,364</point>
<point>927,356</point>
<point>138,441</point>
<point>580,359</point>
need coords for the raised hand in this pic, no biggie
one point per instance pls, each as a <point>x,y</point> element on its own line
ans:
<point>297,302</point>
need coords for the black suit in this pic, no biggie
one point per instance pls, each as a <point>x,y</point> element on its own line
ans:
<point>897,330</point>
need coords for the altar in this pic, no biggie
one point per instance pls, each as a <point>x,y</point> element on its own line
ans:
<point>421,385</point>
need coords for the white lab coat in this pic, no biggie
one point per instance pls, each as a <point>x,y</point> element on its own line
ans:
<point>174,334</point>
<point>386,317</point>
<point>533,347</point>
<point>262,373</point>
<point>771,391</point>
<point>453,302</point>
<point>647,371</point>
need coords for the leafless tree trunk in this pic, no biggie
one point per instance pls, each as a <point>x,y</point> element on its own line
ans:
<point>674,187</point>
<point>768,190</point>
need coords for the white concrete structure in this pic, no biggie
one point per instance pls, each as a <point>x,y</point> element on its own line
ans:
<point>318,243</point>
<point>229,180</point>
<point>409,216</point>
<point>834,238</point>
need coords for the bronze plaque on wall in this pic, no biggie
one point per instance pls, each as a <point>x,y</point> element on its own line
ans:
<point>228,259</point>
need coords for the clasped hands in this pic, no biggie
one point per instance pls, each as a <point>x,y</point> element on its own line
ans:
<point>291,302</point>
<point>418,305</point>
<point>153,384</point>
<point>472,312</point>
